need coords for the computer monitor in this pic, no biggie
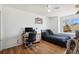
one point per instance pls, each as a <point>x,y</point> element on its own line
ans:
<point>28,29</point>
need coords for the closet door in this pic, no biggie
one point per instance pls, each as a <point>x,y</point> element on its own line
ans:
<point>53,24</point>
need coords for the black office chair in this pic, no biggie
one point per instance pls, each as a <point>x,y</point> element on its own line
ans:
<point>31,39</point>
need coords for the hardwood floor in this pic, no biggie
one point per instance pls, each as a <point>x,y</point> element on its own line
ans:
<point>41,48</point>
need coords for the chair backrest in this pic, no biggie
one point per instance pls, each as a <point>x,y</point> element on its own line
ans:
<point>49,31</point>
<point>71,46</point>
<point>32,36</point>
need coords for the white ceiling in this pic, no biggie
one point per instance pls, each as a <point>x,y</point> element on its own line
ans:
<point>43,10</point>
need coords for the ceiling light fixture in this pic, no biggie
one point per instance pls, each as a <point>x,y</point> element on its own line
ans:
<point>49,8</point>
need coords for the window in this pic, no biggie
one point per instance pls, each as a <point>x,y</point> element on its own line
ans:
<point>71,25</point>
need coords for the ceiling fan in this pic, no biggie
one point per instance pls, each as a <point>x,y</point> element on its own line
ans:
<point>77,6</point>
<point>49,8</point>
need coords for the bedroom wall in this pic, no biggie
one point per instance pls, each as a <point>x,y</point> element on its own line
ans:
<point>0,27</point>
<point>14,22</point>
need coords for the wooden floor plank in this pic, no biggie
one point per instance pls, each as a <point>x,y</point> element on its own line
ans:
<point>41,48</point>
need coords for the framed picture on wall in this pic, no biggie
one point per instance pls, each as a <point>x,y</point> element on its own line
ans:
<point>38,20</point>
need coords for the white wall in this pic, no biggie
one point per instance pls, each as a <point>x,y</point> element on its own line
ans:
<point>0,28</point>
<point>0,23</point>
<point>14,21</point>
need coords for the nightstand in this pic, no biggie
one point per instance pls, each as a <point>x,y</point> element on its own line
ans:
<point>38,37</point>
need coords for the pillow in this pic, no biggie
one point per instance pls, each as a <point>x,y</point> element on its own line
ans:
<point>50,32</point>
<point>44,32</point>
